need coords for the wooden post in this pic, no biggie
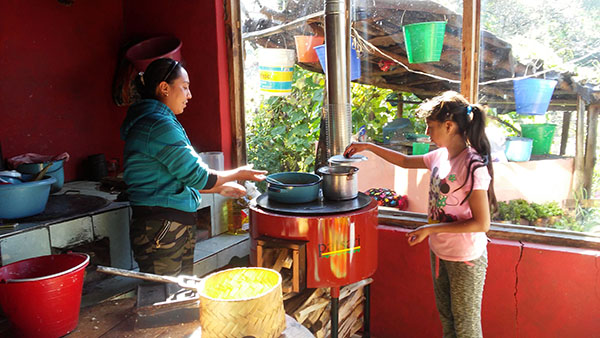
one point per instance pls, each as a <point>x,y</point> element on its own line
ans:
<point>400,106</point>
<point>590,148</point>
<point>236,82</point>
<point>469,77</point>
<point>577,186</point>
<point>564,137</point>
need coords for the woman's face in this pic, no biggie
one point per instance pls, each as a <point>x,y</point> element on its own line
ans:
<point>177,94</point>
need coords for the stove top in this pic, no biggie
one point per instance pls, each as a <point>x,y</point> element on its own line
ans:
<point>317,207</point>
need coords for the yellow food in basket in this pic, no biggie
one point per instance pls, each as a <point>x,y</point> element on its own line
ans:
<point>240,283</point>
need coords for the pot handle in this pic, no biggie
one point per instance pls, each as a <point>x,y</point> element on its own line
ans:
<point>351,173</point>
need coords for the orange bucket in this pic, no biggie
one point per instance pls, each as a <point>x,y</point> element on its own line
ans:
<point>304,47</point>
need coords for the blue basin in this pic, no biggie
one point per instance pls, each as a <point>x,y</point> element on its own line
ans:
<point>56,170</point>
<point>24,199</point>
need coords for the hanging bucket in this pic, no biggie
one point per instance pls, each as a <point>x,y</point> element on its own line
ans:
<point>532,96</point>
<point>354,61</point>
<point>305,47</point>
<point>143,53</point>
<point>420,148</point>
<point>276,68</point>
<point>41,296</point>
<point>518,149</point>
<point>541,134</point>
<point>424,41</point>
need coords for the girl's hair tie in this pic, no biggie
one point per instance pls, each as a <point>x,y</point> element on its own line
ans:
<point>469,110</point>
<point>141,74</point>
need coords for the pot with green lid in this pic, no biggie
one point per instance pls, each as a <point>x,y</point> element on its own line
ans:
<point>339,182</point>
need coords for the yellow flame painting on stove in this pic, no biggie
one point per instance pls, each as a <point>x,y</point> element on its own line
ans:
<point>338,244</point>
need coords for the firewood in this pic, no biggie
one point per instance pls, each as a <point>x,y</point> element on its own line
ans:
<point>287,263</point>
<point>280,258</point>
<point>294,303</point>
<point>315,314</point>
<point>348,289</point>
<point>305,312</point>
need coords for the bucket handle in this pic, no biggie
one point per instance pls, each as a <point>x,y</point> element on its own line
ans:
<point>269,39</point>
<point>534,65</point>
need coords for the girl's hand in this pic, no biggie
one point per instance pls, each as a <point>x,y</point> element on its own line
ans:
<point>355,147</point>
<point>246,173</point>
<point>418,235</point>
<point>231,190</point>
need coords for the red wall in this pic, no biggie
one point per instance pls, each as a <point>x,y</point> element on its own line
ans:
<point>530,291</point>
<point>56,70</point>
<point>57,65</point>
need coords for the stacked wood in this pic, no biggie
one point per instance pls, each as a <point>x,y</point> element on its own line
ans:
<point>312,309</point>
<point>286,257</point>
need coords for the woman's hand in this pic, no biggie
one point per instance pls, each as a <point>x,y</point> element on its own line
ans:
<point>246,173</point>
<point>355,147</point>
<point>418,235</point>
<point>231,190</point>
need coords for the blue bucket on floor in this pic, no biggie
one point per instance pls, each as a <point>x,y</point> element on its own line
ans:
<point>518,149</point>
<point>55,170</point>
<point>354,61</point>
<point>532,96</point>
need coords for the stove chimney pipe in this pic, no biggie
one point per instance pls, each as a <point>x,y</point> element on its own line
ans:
<point>339,107</point>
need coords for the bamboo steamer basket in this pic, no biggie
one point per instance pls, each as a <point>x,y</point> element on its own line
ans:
<point>241,302</point>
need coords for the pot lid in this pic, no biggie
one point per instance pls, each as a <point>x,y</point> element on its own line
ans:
<point>341,159</point>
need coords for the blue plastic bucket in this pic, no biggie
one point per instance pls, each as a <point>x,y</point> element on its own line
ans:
<point>518,149</point>
<point>354,61</point>
<point>532,96</point>
<point>55,170</point>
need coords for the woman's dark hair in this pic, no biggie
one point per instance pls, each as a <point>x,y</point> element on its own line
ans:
<point>471,120</point>
<point>157,71</point>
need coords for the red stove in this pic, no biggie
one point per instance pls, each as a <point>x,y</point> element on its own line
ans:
<point>340,236</point>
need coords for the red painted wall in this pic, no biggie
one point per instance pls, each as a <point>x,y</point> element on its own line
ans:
<point>530,291</point>
<point>57,65</point>
<point>56,70</point>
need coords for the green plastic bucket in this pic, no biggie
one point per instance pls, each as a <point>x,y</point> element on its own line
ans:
<point>420,148</point>
<point>541,134</point>
<point>424,41</point>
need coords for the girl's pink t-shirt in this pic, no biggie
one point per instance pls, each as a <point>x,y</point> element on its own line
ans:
<point>447,175</point>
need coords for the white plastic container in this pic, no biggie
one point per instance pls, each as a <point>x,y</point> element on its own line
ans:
<point>276,68</point>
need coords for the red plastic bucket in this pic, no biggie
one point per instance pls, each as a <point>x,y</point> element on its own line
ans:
<point>41,296</point>
<point>143,53</point>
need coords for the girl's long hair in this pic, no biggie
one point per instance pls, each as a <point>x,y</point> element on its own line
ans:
<point>471,120</point>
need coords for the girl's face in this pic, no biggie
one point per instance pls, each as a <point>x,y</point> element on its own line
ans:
<point>178,93</point>
<point>440,132</point>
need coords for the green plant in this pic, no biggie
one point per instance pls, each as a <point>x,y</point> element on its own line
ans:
<point>515,210</point>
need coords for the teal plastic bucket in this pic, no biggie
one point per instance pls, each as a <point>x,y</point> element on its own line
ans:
<point>354,61</point>
<point>424,41</point>
<point>56,170</point>
<point>532,96</point>
<point>420,148</point>
<point>518,149</point>
<point>541,134</point>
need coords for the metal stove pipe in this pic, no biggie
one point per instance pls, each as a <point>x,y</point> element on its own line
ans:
<point>337,41</point>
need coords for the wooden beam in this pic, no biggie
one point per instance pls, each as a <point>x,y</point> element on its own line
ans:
<point>470,50</point>
<point>564,137</point>
<point>576,188</point>
<point>590,148</point>
<point>236,82</point>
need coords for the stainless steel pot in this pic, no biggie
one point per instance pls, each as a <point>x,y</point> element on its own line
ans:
<point>339,182</point>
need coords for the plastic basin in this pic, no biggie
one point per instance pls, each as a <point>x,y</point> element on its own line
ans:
<point>143,53</point>
<point>41,296</point>
<point>532,96</point>
<point>293,187</point>
<point>56,170</point>
<point>24,199</point>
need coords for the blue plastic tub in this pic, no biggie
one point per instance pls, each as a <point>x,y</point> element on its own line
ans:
<point>354,64</point>
<point>24,199</point>
<point>532,96</point>
<point>518,149</point>
<point>293,187</point>
<point>55,170</point>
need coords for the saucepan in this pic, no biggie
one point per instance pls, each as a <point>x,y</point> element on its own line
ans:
<point>293,187</point>
<point>339,182</point>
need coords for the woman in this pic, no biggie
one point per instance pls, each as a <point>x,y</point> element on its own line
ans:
<point>165,175</point>
<point>461,195</point>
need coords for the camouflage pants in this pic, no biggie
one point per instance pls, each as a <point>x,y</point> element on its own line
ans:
<point>163,247</point>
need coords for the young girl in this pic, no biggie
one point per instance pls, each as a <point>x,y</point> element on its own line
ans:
<point>461,196</point>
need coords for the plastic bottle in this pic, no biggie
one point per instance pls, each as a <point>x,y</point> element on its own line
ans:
<point>238,211</point>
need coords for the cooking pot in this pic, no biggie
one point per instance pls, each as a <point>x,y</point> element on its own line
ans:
<point>339,182</point>
<point>293,187</point>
